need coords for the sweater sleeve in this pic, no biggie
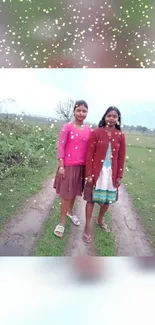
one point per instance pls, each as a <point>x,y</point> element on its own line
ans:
<point>121,156</point>
<point>63,136</point>
<point>90,154</point>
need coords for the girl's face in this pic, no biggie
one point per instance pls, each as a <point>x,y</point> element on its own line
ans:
<point>80,113</point>
<point>111,118</point>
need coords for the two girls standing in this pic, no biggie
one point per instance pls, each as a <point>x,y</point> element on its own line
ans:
<point>89,161</point>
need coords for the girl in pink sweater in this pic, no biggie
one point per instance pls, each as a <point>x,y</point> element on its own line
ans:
<point>70,178</point>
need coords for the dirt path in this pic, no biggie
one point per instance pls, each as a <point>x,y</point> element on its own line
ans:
<point>19,235</point>
<point>76,246</point>
<point>131,239</point>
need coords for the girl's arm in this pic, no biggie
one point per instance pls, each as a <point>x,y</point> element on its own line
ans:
<point>90,154</point>
<point>63,136</point>
<point>121,157</point>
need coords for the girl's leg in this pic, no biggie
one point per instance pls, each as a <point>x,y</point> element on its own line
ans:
<point>103,209</point>
<point>89,211</point>
<point>101,220</point>
<point>71,204</point>
<point>63,213</point>
<point>70,213</point>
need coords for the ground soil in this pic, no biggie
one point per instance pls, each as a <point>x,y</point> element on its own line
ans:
<point>18,236</point>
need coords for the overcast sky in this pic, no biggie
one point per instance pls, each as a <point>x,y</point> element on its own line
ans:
<point>37,91</point>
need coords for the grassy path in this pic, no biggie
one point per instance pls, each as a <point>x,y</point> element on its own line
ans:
<point>140,184</point>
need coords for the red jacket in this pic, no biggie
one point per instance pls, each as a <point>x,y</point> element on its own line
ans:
<point>96,153</point>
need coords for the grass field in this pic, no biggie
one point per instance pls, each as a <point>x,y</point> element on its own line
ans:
<point>27,157</point>
<point>140,178</point>
<point>141,140</point>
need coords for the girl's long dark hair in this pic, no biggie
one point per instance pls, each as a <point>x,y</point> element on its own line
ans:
<point>102,123</point>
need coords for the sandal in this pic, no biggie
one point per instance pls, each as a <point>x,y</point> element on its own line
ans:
<point>103,226</point>
<point>87,238</point>
<point>59,231</point>
<point>74,219</point>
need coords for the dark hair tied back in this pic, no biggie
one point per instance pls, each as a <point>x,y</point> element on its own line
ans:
<point>80,103</point>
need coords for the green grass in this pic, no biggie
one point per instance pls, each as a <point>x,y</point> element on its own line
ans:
<point>22,190</point>
<point>140,180</point>
<point>48,244</point>
<point>141,140</point>
<point>104,242</point>
<point>20,180</point>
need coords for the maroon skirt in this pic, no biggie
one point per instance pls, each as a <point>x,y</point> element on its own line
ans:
<point>73,183</point>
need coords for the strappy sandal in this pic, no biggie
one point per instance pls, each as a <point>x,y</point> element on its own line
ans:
<point>59,231</point>
<point>103,226</point>
<point>87,238</point>
<point>74,219</point>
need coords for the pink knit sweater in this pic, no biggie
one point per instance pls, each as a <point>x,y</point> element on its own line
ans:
<point>72,144</point>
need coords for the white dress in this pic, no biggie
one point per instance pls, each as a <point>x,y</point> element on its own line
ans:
<point>105,192</point>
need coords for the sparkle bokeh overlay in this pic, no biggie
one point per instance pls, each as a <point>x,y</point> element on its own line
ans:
<point>88,33</point>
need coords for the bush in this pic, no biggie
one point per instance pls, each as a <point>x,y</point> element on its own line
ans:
<point>25,146</point>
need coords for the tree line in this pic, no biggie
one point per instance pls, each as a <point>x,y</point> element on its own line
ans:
<point>64,111</point>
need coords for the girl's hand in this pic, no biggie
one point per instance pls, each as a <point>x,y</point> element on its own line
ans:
<point>118,182</point>
<point>61,172</point>
<point>89,180</point>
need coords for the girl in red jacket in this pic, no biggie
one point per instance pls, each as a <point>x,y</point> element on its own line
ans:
<point>104,167</point>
